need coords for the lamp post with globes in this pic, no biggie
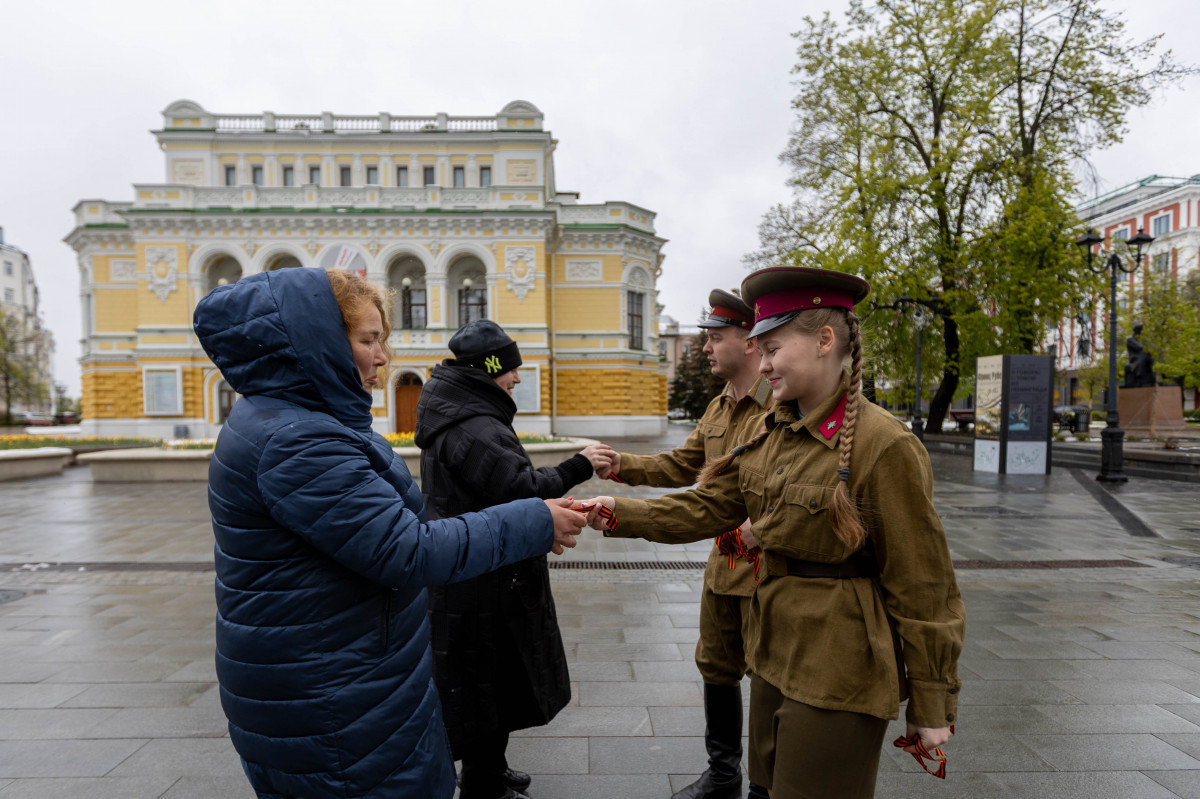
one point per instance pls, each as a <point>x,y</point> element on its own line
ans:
<point>1112,437</point>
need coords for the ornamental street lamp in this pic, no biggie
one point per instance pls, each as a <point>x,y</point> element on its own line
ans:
<point>920,317</point>
<point>1112,437</point>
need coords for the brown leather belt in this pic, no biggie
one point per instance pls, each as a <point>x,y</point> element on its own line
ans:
<point>854,567</point>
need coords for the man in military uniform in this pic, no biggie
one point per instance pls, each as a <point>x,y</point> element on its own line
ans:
<point>728,581</point>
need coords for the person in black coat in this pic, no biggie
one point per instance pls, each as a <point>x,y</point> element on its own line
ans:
<point>498,655</point>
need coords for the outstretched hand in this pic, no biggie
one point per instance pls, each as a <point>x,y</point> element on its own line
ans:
<point>567,523</point>
<point>592,508</point>
<point>600,456</point>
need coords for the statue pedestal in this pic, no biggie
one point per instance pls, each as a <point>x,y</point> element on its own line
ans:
<point>1151,411</point>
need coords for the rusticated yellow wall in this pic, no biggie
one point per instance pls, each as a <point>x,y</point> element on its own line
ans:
<point>610,391</point>
<point>111,394</point>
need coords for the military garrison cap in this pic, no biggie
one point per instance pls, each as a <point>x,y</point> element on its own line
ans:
<point>779,293</point>
<point>728,310</point>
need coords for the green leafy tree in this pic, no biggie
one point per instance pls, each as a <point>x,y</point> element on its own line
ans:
<point>694,385</point>
<point>1171,325</point>
<point>18,372</point>
<point>933,154</point>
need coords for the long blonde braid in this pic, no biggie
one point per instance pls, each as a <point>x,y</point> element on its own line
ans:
<point>843,512</point>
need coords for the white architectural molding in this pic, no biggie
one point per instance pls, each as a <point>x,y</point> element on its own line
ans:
<point>520,264</point>
<point>584,270</point>
<point>162,270</point>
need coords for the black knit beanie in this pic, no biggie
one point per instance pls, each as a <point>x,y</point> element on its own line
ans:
<point>484,345</point>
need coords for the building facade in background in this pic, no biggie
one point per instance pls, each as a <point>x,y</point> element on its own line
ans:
<point>28,346</point>
<point>1169,210</point>
<point>460,216</point>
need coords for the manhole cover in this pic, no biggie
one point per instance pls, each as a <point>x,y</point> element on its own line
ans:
<point>10,596</point>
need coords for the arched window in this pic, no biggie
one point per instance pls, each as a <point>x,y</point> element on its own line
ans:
<point>226,396</point>
<point>406,276</point>
<point>283,260</point>
<point>221,269</point>
<point>467,283</point>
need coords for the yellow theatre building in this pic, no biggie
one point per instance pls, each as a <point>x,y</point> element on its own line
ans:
<point>459,215</point>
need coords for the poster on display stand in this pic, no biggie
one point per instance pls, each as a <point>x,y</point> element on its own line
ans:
<point>1013,417</point>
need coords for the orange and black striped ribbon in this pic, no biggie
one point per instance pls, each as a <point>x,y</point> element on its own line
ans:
<point>610,518</point>
<point>922,754</point>
<point>730,545</point>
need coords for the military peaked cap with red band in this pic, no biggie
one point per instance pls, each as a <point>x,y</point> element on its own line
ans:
<point>728,310</point>
<point>779,293</point>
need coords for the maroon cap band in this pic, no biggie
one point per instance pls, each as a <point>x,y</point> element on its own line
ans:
<point>785,300</point>
<point>728,313</point>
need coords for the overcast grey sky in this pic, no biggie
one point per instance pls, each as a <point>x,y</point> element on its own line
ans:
<point>680,107</point>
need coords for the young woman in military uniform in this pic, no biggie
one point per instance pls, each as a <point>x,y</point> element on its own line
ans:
<point>728,420</point>
<point>857,608</point>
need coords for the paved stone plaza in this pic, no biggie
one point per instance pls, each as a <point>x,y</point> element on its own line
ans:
<point>1080,682</point>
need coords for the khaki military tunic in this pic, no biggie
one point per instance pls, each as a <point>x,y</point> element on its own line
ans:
<point>860,644</point>
<point>725,424</point>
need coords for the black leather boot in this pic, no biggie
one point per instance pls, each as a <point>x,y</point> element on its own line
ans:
<point>757,792</point>
<point>723,739</point>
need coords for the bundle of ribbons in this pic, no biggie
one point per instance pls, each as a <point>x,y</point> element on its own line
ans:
<point>730,545</point>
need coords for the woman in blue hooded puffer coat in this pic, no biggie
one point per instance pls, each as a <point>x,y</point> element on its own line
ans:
<point>323,551</point>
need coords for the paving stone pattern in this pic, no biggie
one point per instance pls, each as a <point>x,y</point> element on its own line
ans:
<point>1079,682</point>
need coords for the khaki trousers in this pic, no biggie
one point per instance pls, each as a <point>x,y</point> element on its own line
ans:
<point>804,752</point>
<point>721,650</point>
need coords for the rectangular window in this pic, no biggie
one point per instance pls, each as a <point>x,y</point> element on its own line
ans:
<point>161,392</point>
<point>413,308</point>
<point>1162,224</point>
<point>372,176</point>
<point>485,176</point>
<point>230,175</point>
<point>314,175</point>
<point>1122,234</point>
<point>636,324</point>
<point>428,176</point>
<point>9,297</point>
<point>8,267</point>
<point>345,175</point>
<point>472,305</point>
<point>460,177</point>
<point>256,175</point>
<point>402,177</point>
<point>1161,263</point>
<point>289,176</point>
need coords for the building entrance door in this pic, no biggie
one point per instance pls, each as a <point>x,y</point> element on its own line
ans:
<point>408,391</point>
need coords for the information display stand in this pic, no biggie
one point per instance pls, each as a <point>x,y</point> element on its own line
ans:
<point>1014,396</point>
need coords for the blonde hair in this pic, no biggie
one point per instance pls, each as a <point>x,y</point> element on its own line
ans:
<point>354,296</point>
<point>844,515</point>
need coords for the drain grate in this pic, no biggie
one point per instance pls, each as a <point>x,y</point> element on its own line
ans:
<point>576,565</point>
<point>1048,564</point>
<point>10,596</point>
<point>629,565</point>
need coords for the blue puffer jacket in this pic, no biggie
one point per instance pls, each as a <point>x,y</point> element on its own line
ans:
<point>323,553</point>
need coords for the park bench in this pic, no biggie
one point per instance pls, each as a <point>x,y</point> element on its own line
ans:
<point>963,418</point>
